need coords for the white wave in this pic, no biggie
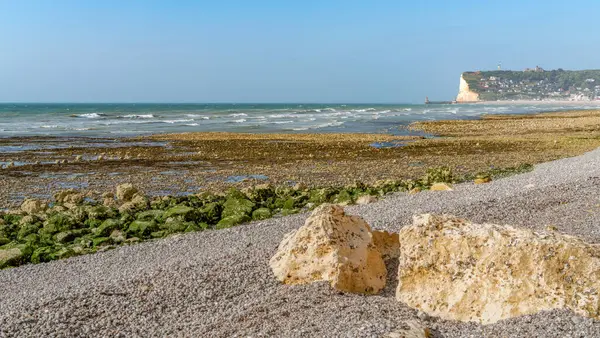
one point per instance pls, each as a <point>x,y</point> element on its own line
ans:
<point>198,116</point>
<point>239,121</point>
<point>129,122</point>
<point>90,115</point>
<point>142,116</point>
<point>300,128</point>
<point>192,124</point>
<point>238,114</point>
<point>280,116</point>
<point>177,121</point>
<point>330,124</point>
<point>282,122</point>
<point>407,109</point>
<point>49,126</point>
<point>340,113</point>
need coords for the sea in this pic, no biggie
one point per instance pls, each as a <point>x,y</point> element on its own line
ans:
<point>131,119</point>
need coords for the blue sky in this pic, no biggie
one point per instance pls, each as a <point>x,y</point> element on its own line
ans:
<point>279,51</point>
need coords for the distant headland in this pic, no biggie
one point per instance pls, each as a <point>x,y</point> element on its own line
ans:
<point>531,84</point>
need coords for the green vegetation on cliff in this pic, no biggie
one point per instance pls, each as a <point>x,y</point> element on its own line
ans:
<point>535,84</point>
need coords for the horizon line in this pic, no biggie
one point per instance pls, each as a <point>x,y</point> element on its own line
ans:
<point>206,103</point>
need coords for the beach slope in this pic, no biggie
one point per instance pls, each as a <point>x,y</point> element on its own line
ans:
<point>218,283</point>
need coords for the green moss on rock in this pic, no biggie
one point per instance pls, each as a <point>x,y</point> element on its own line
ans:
<point>10,256</point>
<point>210,213</point>
<point>107,227</point>
<point>238,207</point>
<point>27,229</point>
<point>150,215</point>
<point>230,221</point>
<point>58,222</point>
<point>142,228</point>
<point>261,213</point>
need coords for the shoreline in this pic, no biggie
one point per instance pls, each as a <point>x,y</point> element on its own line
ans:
<point>187,163</point>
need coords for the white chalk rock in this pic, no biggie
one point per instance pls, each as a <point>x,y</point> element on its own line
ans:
<point>454,269</point>
<point>333,247</point>
<point>33,206</point>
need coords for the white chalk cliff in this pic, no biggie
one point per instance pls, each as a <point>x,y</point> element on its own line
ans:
<point>464,92</point>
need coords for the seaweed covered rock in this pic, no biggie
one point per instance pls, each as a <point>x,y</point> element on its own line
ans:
<point>322,195</point>
<point>236,209</point>
<point>10,256</point>
<point>33,206</point>
<point>150,215</point>
<point>260,192</point>
<point>210,213</point>
<point>182,211</point>
<point>261,213</point>
<point>107,227</point>
<point>344,197</point>
<point>333,247</point>
<point>458,270</point>
<point>142,228</point>
<point>59,222</point>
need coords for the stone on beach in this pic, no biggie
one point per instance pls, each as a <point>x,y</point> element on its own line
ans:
<point>7,256</point>
<point>410,329</point>
<point>137,202</point>
<point>333,247</point>
<point>33,206</point>
<point>366,199</point>
<point>69,196</point>
<point>457,270</point>
<point>440,187</point>
<point>126,191</point>
<point>482,180</point>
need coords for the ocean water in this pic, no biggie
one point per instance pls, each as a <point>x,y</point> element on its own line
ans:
<point>114,120</point>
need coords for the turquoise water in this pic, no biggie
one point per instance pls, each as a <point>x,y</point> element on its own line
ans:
<point>114,120</point>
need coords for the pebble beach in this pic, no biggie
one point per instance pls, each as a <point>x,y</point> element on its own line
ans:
<point>218,283</point>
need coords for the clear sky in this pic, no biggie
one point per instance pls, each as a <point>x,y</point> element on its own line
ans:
<point>279,51</point>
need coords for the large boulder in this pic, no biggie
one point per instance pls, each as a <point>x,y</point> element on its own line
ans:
<point>333,247</point>
<point>457,270</point>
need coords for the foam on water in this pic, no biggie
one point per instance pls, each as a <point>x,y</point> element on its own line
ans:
<point>142,116</point>
<point>95,120</point>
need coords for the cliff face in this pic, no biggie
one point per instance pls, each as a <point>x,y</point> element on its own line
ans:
<point>464,92</point>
